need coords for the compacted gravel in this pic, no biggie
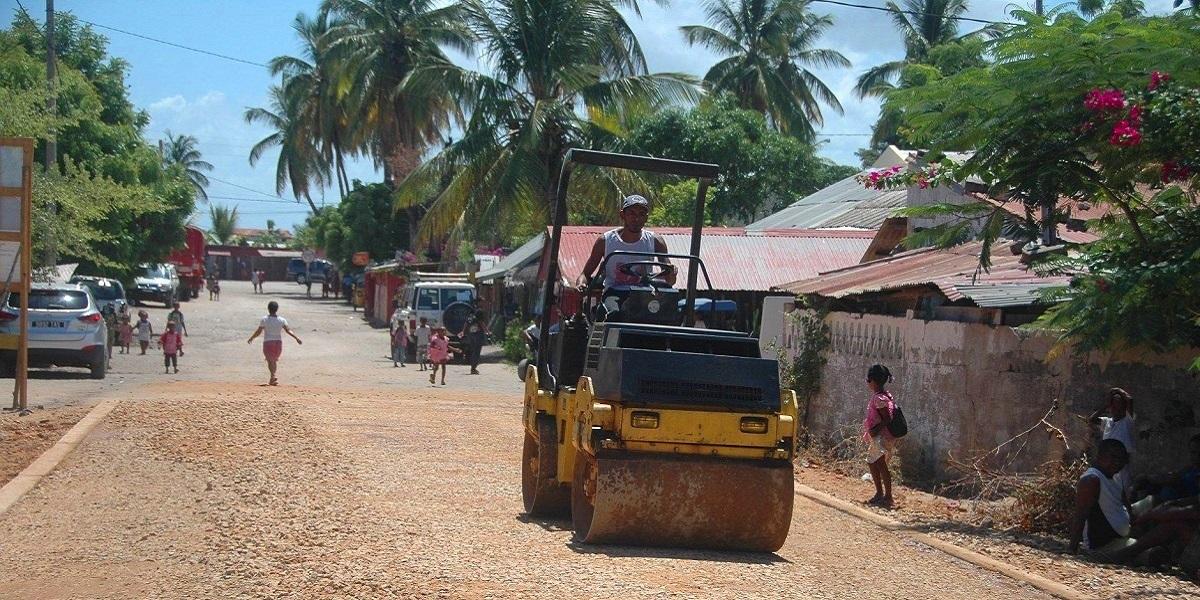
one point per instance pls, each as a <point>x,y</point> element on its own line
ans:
<point>357,479</point>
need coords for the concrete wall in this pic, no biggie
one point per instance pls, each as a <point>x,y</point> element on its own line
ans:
<point>966,388</point>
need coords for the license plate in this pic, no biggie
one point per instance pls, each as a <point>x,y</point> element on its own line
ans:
<point>50,324</point>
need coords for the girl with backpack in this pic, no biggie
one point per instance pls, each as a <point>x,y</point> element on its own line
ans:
<point>877,433</point>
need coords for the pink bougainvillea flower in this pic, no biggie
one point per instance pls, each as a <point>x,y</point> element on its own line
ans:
<point>1173,171</point>
<point>922,183</point>
<point>1099,100</point>
<point>1135,115</point>
<point>1157,78</point>
<point>1125,134</point>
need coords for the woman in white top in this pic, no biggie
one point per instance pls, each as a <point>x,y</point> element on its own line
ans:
<point>272,327</point>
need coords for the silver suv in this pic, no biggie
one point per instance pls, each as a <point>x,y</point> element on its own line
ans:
<point>66,329</point>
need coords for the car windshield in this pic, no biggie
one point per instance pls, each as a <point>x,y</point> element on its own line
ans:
<point>51,300</point>
<point>451,296</point>
<point>155,272</point>
<point>102,290</point>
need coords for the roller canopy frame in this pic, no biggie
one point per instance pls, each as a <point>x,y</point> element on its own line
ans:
<point>703,172</point>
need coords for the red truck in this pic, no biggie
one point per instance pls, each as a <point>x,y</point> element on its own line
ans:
<point>189,263</point>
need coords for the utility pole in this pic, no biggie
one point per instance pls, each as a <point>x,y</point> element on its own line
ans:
<point>1037,7</point>
<point>51,253</point>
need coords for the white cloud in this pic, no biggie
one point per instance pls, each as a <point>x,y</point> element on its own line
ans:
<point>174,103</point>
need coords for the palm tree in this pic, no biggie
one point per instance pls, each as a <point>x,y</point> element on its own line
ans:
<point>924,24</point>
<point>181,150</point>
<point>311,83</point>
<point>768,45</point>
<point>224,221</point>
<point>564,74</point>
<point>378,43</point>
<point>300,161</point>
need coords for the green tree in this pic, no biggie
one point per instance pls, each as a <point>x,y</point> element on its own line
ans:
<point>116,204</point>
<point>762,170</point>
<point>364,221</point>
<point>1093,118</point>
<point>378,44</point>
<point>181,151</point>
<point>924,24</point>
<point>300,162</point>
<point>315,85</point>
<point>224,221</point>
<point>769,45</point>
<point>566,74</point>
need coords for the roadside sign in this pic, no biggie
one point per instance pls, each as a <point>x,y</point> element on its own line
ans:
<point>16,194</point>
<point>361,259</point>
<point>307,256</point>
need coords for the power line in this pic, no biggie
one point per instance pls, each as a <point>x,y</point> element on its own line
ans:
<point>245,199</point>
<point>156,40</point>
<point>242,187</point>
<point>914,13</point>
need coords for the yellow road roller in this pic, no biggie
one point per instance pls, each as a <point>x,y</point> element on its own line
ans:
<point>646,430</point>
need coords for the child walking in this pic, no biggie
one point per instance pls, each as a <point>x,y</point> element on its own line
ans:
<point>172,346</point>
<point>399,343</point>
<point>422,335</point>
<point>124,330</point>
<point>144,330</point>
<point>880,408</point>
<point>439,353</point>
<point>272,327</point>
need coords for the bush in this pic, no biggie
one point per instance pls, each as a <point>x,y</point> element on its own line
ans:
<point>514,343</point>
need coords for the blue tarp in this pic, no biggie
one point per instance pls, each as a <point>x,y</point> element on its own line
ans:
<point>707,305</point>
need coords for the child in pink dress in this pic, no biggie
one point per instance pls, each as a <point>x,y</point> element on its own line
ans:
<point>439,353</point>
<point>172,346</point>
<point>880,408</point>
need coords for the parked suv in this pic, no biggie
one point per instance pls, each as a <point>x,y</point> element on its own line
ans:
<point>65,329</point>
<point>318,269</point>
<point>106,292</point>
<point>157,282</point>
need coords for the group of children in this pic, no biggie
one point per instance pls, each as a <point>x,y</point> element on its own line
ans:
<point>170,341</point>
<point>433,347</point>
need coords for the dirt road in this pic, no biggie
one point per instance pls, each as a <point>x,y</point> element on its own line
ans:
<point>357,479</point>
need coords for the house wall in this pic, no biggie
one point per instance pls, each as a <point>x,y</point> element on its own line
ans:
<point>968,387</point>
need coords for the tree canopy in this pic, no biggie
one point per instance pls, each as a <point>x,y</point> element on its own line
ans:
<point>117,205</point>
<point>762,170</point>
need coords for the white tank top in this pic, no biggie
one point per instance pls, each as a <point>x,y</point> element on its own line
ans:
<point>1110,503</point>
<point>613,243</point>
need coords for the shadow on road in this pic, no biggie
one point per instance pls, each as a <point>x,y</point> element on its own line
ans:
<point>749,558</point>
<point>547,524</point>
<point>56,375</point>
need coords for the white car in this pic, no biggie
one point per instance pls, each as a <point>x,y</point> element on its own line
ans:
<point>66,329</point>
<point>157,282</point>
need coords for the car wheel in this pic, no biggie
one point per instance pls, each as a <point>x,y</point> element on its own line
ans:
<point>99,364</point>
<point>300,279</point>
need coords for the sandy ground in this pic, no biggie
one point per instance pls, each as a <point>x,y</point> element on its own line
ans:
<point>357,479</point>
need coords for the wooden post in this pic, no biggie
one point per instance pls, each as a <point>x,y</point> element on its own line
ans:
<point>16,154</point>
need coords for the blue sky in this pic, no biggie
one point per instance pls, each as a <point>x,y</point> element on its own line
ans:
<point>205,96</point>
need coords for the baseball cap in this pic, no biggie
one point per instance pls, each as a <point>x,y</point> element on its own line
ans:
<point>634,200</point>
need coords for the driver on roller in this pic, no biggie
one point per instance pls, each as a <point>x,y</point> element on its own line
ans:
<point>631,237</point>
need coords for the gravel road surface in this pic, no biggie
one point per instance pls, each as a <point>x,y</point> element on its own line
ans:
<point>357,479</point>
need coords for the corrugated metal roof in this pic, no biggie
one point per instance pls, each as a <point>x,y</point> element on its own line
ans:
<point>954,271</point>
<point>846,203</point>
<point>527,253</point>
<point>737,260</point>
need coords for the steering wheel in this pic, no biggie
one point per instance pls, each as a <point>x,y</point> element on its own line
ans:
<point>651,270</point>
